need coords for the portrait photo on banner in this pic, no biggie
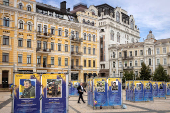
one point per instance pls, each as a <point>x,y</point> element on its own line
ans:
<point>76,84</point>
<point>160,86</point>
<point>154,86</point>
<point>100,86</point>
<point>147,86</point>
<point>138,86</point>
<point>27,88</point>
<point>114,85</point>
<point>54,88</point>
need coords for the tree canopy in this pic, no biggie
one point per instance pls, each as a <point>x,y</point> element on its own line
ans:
<point>160,74</point>
<point>128,75</point>
<point>145,72</point>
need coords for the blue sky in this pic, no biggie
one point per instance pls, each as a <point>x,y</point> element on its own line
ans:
<point>149,14</point>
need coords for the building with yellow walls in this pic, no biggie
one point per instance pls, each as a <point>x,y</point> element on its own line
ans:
<point>37,37</point>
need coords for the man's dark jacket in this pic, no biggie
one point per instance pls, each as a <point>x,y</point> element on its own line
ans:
<point>79,89</point>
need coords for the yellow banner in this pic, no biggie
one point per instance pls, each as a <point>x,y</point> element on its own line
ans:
<point>146,84</point>
<point>127,85</point>
<point>160,85</point>
<point>137,84</point>
<point>26,83</point>
<point>113,82</point>
<point>99,84</point>
<point>131,85</point>
<point>52,82</point>
<point>168,85</point>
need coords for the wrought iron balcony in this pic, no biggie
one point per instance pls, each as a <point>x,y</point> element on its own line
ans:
<point>128,68</point>
<point>76,40</point>
<point>127,58</point>
<point>43,50</point>
<point>77,67</point>
<point>44,35</point>
<point>74,53</point>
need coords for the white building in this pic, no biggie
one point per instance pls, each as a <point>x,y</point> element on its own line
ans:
<point>115,27</point>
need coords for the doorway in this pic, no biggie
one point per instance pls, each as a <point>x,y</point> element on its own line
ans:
<point>4,79</point>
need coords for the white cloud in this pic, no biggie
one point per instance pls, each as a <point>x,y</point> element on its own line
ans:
<point>149,14</point>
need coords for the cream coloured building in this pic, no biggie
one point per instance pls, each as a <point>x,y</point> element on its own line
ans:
<point>130,56</point>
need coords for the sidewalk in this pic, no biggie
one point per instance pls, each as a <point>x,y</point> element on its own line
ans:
<point>158,105</point>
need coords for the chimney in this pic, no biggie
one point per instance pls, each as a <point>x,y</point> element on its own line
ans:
<point>63,7</point>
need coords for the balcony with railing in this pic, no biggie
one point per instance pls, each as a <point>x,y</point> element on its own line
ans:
<point>127,58</point>
<point>44,50</point>
<point>44,65</point>
<point>128,68</point>
<point>74,53</point>
<point>80,67</point>
<point>44,35</point>
<point>76,39</point>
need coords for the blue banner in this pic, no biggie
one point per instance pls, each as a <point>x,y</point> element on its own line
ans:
<point>114,91</point>
<point>148,94</point>
<point>100,92</point>
<point>73,88</point>
<point>168,89</point>
<point>138,91</point>
<point>155,89</point>
<point>127,90</point>
<point>131,91</point>
<point>161,89</point>
<point>27,93</point>
<point>54,93</point>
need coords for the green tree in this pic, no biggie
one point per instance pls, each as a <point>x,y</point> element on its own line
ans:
<point>145,72</point>
<point>160,74</point>
<point>127,75</point>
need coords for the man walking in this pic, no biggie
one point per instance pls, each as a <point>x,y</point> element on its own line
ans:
<point>80,91</point>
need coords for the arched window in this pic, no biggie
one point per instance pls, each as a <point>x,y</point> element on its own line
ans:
<point>94,38</point>
<point>28,8</point>
<point>29,26</point>
<point>93,12</point>
<point>89,37</point>
<point>118,37</point>
<point>84,21</point>
<point>112,35</point>
<point>149,51</point>
<point>117,16</point>
<point>132,24</point>
<point>21,24</point>
<point>20,6</point>
<point>84,36</point>
<point>6,22</point>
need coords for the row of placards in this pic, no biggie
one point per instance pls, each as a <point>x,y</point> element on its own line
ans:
<point>104,92</point>
<point>31,88</point>
<point>73,88</point>
<point>146,90</point>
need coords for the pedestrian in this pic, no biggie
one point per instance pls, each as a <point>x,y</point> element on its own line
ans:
<point>80,91</point>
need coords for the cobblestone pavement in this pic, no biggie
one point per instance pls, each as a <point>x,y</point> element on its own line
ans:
<point>161,105</point>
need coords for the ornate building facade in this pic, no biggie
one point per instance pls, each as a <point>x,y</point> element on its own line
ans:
<point>130,56</point>
<point>37,37</point>
<point>115,27</point>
